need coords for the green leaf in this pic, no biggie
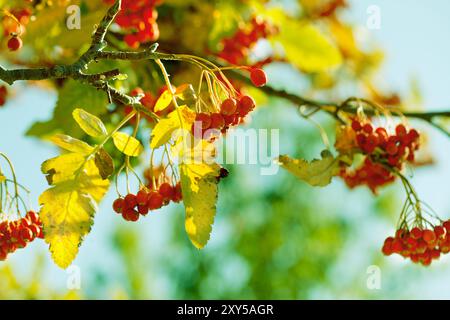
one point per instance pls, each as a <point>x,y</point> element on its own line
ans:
<point>183,117</point>
<point>317,173</point>
<point>89,123</point>
<point>71,144</point>
<point>127,144</point>
<point>306,47</point>
<point>199,188</point>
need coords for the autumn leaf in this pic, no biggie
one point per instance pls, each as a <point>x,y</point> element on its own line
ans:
<point>104,163</point>
<point>183,117</point>
<point>317,173</point>
<point>71,144</point>
<point>164,101</point>
<point>89,123</point>
<point>306,47</point>
<point>127,144</point>
<point>69,205</point>
<point>199,187</point>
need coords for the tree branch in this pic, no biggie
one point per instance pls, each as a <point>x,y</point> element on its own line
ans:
<point>100,80</point>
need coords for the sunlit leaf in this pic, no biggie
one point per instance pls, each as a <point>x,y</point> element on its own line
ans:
<point>164,101</point>
<point>71,144</point>
<point>199,187</point>
<point>89,123</point>
<point>68,206</point>
<point>127,144</point>
<point>306,47</point>
<point>317,173</point>
<point>183,118</point>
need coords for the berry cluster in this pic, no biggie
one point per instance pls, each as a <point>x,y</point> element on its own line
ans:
<point>236,48</point>
<point>17,234</point>
<point>383,151</point>
<point>372,174</point>
<point>232,112</point>
<point>139,17</point>
<point>418,244</point>
<point>132,206</point>
<point>13,29</point>
<point>391,149</point>
<point>3,94</point>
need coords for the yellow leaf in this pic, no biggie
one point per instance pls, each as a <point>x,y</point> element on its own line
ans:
<point>199,187</point>
<point>183,117</point>
<point>127,144</point>
<point>192,150</point>
<point>71,144</point>
<point>90,124</point>
<point>317,173</point>
<point>69,205</point>
<point>164,101</point>
<point>306,47</point>
<point>2,178</point>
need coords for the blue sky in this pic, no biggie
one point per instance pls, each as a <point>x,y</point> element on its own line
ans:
<point>414,35</point>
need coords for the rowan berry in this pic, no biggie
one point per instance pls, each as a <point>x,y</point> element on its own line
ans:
<point>130,201</point>
<point>15,43</point>
<point>217,121</point>
<point>245,105</point>
<point>118,205</point>
<point>204,119</point>
<point>400,130</point>
<point>258,77</point>
<point>141,197</point>
<point>228,107</point>
<point>416,233</point>
<point>155,201</point>
<point>166,191</point>
<point>429,236</point>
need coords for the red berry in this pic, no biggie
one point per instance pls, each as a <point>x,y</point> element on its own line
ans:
<point>356,125</point>
<point>204,119</point>
<point>258,77</point>
<point>439,231</point>
<point>177,195</point>
<point>130,215</point>
<point>228,107</point>
<point>391,148</point>
<point>367,128</point>
<point>118,205</point>
<point>446,225</point>
<point>413,134</point>
<point>143,209</point>
<point>416,233</point>
<point>35,229</point>
<point>429,236</point>
<point>217,121</point>
<point>166,191</point>
<point>142,197</point>
<point>400,130</point>
<point>26,234</point>
<point>130,201</point>
<point>155,201</point>
<point>15,43</point>
<point>245,105</point>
